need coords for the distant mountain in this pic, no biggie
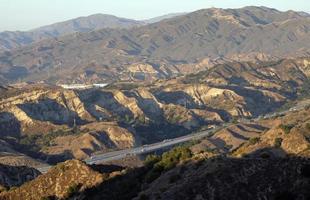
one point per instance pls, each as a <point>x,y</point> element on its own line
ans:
<point>14,39</point>
<point>160,18</point>
<point>11,39</point>
<point>164,49</point>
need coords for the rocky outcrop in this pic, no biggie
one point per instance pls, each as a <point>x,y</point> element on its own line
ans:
<point>61,181</point>
<point>12,176</point>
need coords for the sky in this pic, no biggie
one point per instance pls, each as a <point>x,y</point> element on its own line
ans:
<point>25,15</point>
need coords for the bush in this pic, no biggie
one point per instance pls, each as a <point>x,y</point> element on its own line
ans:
<point>48,198</point>
<point>254,140</point>
<point>286,128</point>
<point>265,155</point>
<point>173,157</point>
<point>143,197</point>
<point>308,126</point>
<point>150,160</point>
<point>166,162</point>
<point>151,176</point>
<point>278,142</point>
<point>73,189</point>
<point>174,178</point>
<point>234,120</point>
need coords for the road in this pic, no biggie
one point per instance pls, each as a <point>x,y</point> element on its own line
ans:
<point>116,155</point>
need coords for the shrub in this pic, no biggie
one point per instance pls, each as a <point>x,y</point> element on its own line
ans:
<point>166,162</point>
<point>234,120</point>
<point>278,142</point>
<point>48,198</point>
<point>308,126</point>
<point>254,140</point>
<point>61,167</point>
<point>151,176</point>
<point>286,128</point>
<point>73,189</point>
<point>264,155</point>
<point>174,178</point>
<point>143,197</point>
<point>13,188</point>
<point>150,160</point>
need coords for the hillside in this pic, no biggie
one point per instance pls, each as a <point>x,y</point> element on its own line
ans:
<point>14,39</point>
<point>11,176</point>
<point>60,182</point>
<point>194,171</point>
<point>176,46</point>
<point>55,124</point>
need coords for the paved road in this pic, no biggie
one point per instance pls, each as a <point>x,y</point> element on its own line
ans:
<point>116,155</point>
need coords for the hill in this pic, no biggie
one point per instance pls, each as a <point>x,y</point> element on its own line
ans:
<point>14,39</point>
<point>11,176</point>
<point>191,172</point>
<point>61,181</point>
<point>172,47</point>
<point>54,124</point>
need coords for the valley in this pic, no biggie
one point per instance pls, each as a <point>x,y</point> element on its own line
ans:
<point>210,104</point>
<point>52,124</point>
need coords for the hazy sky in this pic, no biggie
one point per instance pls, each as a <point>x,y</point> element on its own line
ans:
<point>29,14</point>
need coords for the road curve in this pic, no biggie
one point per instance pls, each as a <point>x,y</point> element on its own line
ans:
<point>116,155</point>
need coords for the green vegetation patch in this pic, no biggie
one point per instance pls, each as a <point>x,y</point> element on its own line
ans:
<point>167,161</point>
<point>286,128</point>
<point>278,142</point>
<point>37,142</point>
<point>254,140</point>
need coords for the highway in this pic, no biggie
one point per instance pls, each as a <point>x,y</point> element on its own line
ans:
<point>116,155</point>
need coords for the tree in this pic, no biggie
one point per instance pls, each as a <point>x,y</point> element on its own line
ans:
<point>286,128</point>
<point>278,142</point>
<point>254,140</point>
<point>150,160</point>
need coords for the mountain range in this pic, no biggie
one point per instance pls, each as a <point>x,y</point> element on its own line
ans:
<point>168,48</point>
<point>14,39</point>
<point>242,74</point>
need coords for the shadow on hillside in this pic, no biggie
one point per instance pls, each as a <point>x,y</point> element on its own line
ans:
<point>178,98</point>
<point>106,100</point>
<point>185,100</point>
<point>16,72</point>
<point>267,153</point>
<point>288,178</point>
<point>51,110</point>
<point>256,102</point>
<point>226,116</point>
<point>101,168</point>
<point>149,107</point>
<point>236,134</point>
<point>253,126</point>
<point>157,132</point>
<point>9,125</point>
